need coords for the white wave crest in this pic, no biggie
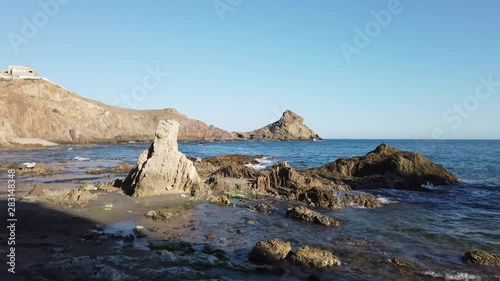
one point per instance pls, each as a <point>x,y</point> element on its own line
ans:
<point>453,276</point>
<point>263,163</point>
<point>78,158</point>
<point>385,200</point>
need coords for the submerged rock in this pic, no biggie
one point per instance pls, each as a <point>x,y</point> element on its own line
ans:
<point>307,215</point>
<point>270,251</point>
<point>264,208</point>
<point>315,258</point>
<point>162,168</point>
<point>481,258</point>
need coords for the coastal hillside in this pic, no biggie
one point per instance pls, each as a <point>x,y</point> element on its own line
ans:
<point>37,109</point>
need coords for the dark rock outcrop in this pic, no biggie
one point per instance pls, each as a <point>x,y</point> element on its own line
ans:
<point>335,200</point>
<point>386,167</point>
<point>289,127</point>
<point>481,258</point>
<point>270,251</point>
<point>285,180</point>
<point>314,258</point>
<point>307,215</point>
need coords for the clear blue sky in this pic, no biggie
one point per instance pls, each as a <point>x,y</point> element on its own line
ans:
<point>240,72</point>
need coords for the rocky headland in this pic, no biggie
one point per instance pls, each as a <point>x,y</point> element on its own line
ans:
<point>37,111</point>
<point>215,217</point>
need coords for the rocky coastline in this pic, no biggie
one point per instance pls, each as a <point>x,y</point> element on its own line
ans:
<point>175,204</point>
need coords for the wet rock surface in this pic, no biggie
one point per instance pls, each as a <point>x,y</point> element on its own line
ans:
<point>306,215</point>
<point>270,251</point>
<point>264,208</point>
<point>315,258</point>
<point>481,258</point>
<point>335,200</point>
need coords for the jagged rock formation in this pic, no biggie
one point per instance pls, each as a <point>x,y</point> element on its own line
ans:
<point>59,115</point>
<point>297,185</point>
<point>44,110</point>
<point>289,127</point>
<point>386,167</point>
<point>307,215</point>
<point>285,180</point>
<point>163,168</point>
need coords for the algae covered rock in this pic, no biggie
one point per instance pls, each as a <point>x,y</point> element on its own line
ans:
<point>315,258</point>
<point>481,258</point>
<point>270,251</point>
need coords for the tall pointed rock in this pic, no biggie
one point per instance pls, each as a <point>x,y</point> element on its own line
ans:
<point>163,169</point>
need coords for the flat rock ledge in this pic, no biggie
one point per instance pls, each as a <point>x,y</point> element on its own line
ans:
<point>67,197</point>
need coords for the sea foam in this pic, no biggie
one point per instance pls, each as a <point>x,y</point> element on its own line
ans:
<point>263,163</point>
<point>453,276</point>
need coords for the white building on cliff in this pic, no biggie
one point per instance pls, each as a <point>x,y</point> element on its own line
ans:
<point>18,72</point>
